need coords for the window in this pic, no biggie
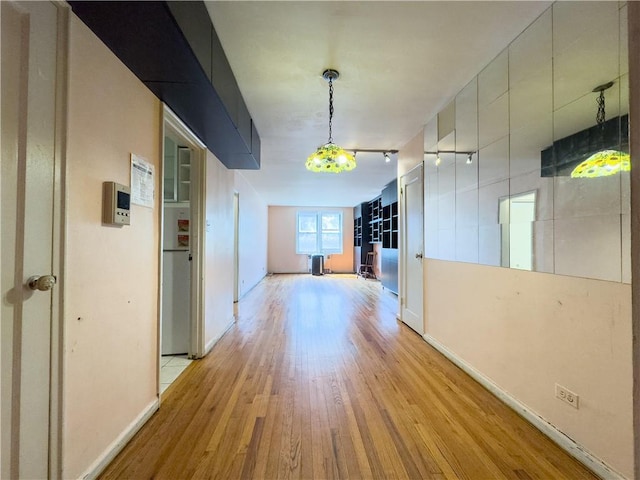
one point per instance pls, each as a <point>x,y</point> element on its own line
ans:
<point>319,232</point>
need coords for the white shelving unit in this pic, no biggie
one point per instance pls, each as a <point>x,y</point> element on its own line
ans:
<point>177,172</point>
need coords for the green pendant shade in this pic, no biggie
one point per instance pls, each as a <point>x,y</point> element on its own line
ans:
<point>331,158</point>
<point>603,164</point>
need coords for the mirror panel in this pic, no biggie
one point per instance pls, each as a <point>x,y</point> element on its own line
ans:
<point>493,101</point>
<point>543,247</point>
<point>492,221</point>
<point>526,145</point>
<point>493,121</point>
<point>531,52</point>
<point>587,211</point>
<point>588,247</point>
<point>529,118</point>
<point>489,245</point>
<point>493,81</point>
<point>493,162</point>
<point>625,182</point>
<point>466,213</point>
<point>585,48</point>
<point>431,205</point>
<point>623,40</point>
<point>447,199</point>
<point>530,100</point>
<point>431,190</point>
<point>466,122</point>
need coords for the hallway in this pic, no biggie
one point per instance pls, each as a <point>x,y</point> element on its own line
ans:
<point>317,379</point>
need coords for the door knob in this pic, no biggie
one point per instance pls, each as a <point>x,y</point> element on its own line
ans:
<point>418,255</point>
<point>43,283</point>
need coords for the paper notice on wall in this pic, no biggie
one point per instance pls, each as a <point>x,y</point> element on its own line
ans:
<point>142,181</point>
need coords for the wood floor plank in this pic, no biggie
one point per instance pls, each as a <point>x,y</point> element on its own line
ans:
<point>318,380</point>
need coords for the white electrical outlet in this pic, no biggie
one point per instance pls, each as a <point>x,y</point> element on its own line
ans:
<point>567,396</point>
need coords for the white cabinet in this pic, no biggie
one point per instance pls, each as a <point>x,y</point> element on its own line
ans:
<point>184,174</point>
<point>177,172</point>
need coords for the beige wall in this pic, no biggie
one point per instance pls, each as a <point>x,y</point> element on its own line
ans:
<point>111,280</point>
<point>219,269</point>
<point>253,227</point>
<point>411,154</point>
<point>282,257</point>
<point>527,331</point>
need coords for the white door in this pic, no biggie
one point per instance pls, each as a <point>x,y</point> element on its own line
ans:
<point>412,191</point>
<point>30,213</point>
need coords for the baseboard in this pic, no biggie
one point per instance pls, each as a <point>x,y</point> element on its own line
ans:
<point>563,441</point>
<point>110,453</point>
<point>213,341</point>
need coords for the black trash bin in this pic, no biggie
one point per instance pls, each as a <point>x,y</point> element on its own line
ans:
<point>317,264</point>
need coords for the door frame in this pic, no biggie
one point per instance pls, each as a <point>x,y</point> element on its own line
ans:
<point>56,402</point>
<point>173,125</point>
<point>58,246</point>
<point>236,246</point>
<point>403,254</point>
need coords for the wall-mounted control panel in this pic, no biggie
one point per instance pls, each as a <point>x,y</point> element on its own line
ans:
<point>116,204</point>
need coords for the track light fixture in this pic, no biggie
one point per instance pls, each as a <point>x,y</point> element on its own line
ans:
<point>385,153</point>
<point>438,160</point>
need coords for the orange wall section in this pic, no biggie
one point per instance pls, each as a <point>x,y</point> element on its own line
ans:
<point>282,256</point>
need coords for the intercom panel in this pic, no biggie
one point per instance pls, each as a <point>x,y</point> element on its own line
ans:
<point>116,204</point>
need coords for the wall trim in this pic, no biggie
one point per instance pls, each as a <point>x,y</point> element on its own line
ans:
<point>563,441</point>
<point>244,294</point>
<point>114,449</point>
<point>211,343</point>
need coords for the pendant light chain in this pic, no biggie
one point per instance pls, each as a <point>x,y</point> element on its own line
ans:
<point>600,116</point>
<point>330,110</point>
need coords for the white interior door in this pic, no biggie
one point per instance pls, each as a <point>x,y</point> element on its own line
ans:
<point>413,250</point>
<point>30,203</point>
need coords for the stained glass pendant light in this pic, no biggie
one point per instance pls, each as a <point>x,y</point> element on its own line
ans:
<point>604,162</point>
<point>330,157</point>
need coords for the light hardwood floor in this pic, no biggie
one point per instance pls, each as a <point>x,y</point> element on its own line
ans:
<point>317,379</point>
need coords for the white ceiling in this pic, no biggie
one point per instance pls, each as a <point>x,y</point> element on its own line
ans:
<point>399,63</point>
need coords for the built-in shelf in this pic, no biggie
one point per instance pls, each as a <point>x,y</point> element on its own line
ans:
<point>357,232</point>
<point>390,226</point>
<point>375,220</point>
<point>177,172</point>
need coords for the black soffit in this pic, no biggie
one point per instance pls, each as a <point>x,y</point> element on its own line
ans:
<point>147,39</point>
